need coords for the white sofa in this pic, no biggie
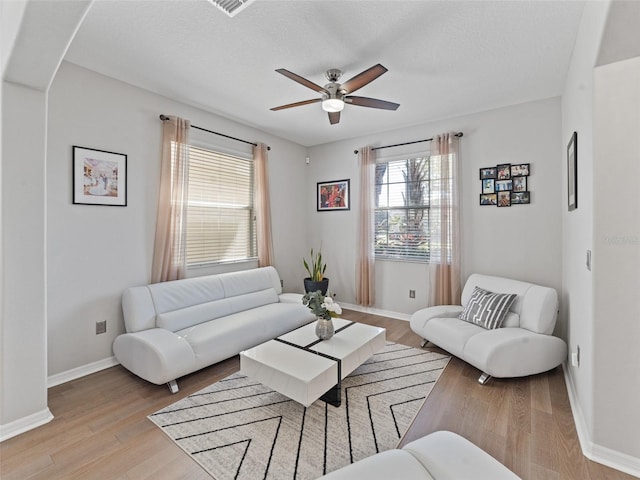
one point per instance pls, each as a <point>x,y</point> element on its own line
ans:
<point>440,455</point>
<point>175,328</point>
<point>525,344</point>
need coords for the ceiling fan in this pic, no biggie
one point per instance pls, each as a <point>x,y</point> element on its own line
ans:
<point>335,95</point>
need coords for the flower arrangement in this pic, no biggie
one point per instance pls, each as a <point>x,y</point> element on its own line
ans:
<point>321,306</point>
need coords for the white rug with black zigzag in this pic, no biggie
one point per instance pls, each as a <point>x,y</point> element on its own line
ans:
<point>240,429</point>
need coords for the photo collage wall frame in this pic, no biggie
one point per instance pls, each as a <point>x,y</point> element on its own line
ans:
<point>505,185</point>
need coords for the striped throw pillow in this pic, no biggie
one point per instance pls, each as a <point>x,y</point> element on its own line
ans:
<point>486,308</point>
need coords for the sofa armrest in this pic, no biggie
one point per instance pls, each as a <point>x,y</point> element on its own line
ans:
<point>382,466</point>
<point>422,317</point>
<point>157,355</point>
<point>447,455</point>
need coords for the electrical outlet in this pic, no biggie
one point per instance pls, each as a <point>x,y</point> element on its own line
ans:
<point>281,283</point>
<point>101,327</point>
<point>412,294</point>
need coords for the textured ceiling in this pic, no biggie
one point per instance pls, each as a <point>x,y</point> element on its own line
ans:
<point>445,58</point>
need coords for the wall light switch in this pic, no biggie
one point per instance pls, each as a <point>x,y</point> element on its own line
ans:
<point>589,260</point>
<point>412,294</point>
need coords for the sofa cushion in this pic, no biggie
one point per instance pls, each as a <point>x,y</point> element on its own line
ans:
<point>189,316</point>
<point>247,281</point>
<point>248,301</point>
<point>228,335</point>
<point>451,334</point>
<point>177,294</point>
<point>487,309</point>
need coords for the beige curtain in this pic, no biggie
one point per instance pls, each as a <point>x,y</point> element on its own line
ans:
<point>365,256</point>
<point>263,209</point>
<point>169,252</point>
<point>445,249</point>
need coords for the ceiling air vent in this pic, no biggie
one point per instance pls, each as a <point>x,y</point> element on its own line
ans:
<point>231,7</point>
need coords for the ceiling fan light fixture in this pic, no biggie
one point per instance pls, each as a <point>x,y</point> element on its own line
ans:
<point>332,104</point>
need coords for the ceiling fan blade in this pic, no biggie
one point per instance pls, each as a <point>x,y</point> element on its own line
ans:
<point>296,104</point>
<point>363,78</point>
<point>371,102</point>
<point>334,117</point>
<point>302,81</point>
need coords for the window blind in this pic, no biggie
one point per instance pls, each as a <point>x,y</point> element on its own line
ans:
<point>402,209</point>
<point>220,215</point>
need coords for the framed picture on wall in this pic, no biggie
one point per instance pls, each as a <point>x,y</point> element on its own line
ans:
<point>99,177</point>
<point>488,185</point>
<point>504,199</point>
<point>489,172</point>
<point>572,171</point>
<point>489,199</point>
<point>520,198</point>
<point>519,184</point>
<point>521,170</point>
<point>333,195</point>
<point>504,185</point>
<point>504,171</point>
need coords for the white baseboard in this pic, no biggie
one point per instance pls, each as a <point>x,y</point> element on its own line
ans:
<point>376,311</point>
<point>25,424</point>
<point>78,372</point>
<point>606,456</point>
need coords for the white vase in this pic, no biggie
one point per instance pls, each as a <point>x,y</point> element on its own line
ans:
<point>324,328</point>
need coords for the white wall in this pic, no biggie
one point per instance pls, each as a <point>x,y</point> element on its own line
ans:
<point>95,252</point>
<point>577,226</point>
<point>23,357</point>
<point>616,256</point>
<point>11,14</point>
<point>519,242</point>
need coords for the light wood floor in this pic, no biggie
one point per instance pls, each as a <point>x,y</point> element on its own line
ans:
<point>100,430</point>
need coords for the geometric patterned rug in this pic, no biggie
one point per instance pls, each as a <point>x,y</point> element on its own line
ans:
<point>240,429</point>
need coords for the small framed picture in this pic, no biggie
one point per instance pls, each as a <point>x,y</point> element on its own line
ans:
<point>520,198</point>
<point>521,170</point>
<point>504,185</point>
<point>572,171</point>
<point>489,172</point>
<point>519,184</point>
<point>489,199</point>
<point>504,199</point>
<point>99,177</point>
<point>504,171</point>
<point>488,185</point>
<point>333,195</point>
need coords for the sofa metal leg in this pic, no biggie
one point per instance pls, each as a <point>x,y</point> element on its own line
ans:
<point>423,342</point>
<point>484,378</point>
<point>173,386</point>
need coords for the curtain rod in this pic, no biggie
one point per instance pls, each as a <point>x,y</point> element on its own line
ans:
<point>164,118</point>
<point>459,134</point>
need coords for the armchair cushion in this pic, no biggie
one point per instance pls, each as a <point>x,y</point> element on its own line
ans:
<point>487,309</point>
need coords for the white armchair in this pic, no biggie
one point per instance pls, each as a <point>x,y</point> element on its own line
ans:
<point>523,345</point>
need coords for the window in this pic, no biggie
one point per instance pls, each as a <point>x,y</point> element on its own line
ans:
<point>220,215</point>
<point>408,198</point>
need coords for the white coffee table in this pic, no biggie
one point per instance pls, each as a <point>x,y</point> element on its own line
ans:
<point>304,368</point>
